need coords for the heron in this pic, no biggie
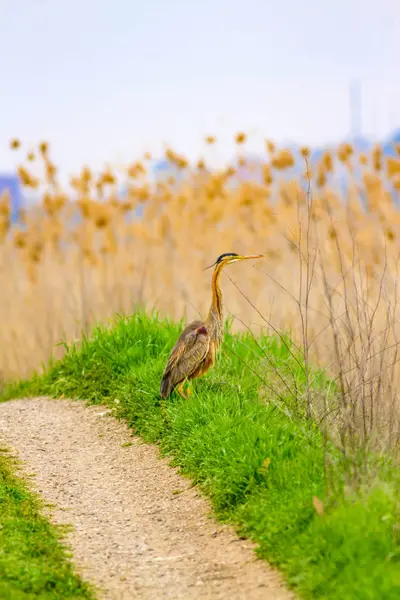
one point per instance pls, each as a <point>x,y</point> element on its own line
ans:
<point>195,350</point>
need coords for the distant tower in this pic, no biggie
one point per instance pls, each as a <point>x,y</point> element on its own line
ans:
<point>355,107</point>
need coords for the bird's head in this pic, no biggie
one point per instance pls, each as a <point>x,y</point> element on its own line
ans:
<point>230,257</point>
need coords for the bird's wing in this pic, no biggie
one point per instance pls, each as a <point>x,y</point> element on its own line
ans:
<point>186,339</point>
<point>190,359</point>
<point>187,354</point>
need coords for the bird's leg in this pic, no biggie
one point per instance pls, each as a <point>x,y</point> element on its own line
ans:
<point>181,390</point>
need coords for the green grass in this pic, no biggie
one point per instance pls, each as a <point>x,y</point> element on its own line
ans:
<point>258,459</point>
<point>33,561</point>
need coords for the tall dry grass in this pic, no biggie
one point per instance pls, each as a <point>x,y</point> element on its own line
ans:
<point>329,277</point>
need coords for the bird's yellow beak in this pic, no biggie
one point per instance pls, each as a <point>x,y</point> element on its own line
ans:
<point>248,257</point>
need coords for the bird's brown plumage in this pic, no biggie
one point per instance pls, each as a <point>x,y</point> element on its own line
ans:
<point>189,352</point>
<point>195,349</point>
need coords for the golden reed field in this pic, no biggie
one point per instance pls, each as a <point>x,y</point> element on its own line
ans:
<point>330,273</point>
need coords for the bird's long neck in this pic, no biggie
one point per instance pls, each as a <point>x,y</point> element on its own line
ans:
<point>215,318</point>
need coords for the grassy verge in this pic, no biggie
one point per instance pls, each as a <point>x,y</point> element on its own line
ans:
<point>33,561</point>
<point>259,461</point>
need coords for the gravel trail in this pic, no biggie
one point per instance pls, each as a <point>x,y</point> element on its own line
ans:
<point>139,530</point>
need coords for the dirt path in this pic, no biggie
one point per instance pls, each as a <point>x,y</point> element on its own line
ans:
<point>139,530</point>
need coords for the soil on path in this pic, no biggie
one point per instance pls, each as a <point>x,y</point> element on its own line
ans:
<point>140,531</point>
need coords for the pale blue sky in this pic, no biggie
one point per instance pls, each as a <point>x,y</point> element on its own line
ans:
<point>107,80</point>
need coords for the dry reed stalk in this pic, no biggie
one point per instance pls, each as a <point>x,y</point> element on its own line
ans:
<point>330,275</point>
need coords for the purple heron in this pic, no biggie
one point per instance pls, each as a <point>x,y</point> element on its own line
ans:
<point>194,352</point>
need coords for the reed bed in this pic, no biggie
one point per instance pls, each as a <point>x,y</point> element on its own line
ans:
<point>329,277</point>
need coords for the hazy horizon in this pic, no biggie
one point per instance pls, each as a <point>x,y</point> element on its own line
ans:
<point>106,82</point>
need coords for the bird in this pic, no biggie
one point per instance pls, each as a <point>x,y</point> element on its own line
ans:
<point>194,352</point>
